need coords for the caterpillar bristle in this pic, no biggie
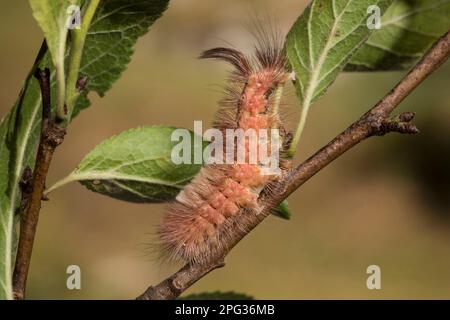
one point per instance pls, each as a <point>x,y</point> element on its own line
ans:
<point>232,56</point>
<point>221,198</point>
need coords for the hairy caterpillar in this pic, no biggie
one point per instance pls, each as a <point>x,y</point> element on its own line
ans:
<point>196,225</point>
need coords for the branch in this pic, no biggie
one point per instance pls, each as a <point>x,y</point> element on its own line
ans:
<point>376,122</point>
<point>51,136</point>
<point>173,286</point>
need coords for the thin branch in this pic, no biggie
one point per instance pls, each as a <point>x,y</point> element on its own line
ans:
<point>173,286</point>
<point>51,136</point>
<point>375,122</point>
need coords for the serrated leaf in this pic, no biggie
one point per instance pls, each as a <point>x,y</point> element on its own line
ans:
<point>135,166</point>
<point>52,18</point>
<point>408,29</point>
<point>217,295</point>
<point>19,129</point>
<point>282,211</point>
<point>321,42</point>
<point>114,30</point>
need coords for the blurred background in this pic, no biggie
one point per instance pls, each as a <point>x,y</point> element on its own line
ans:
<point>386,202</point>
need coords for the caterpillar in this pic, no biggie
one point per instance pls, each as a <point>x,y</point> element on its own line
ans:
<point>195,226</point>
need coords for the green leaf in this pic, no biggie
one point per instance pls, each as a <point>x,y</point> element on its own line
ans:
<point>19,134</point>
<point>135,166</point>
<point>409,28</point>
<point>217,295</point>
<point>20,128</point>
<point>115,28</point>
<point>52,17</point>
<point>321,42</point>
<point>283,211</point>
<point>77,41</point>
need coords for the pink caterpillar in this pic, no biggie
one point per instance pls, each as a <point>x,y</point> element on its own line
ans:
<point>197,223</point>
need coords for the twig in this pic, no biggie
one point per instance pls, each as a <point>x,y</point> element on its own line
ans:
<point>51,136</point>
<point>375,122</point>
<point>173,286</point>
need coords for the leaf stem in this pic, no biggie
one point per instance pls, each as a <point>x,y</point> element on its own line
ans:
<point>60,183</point>
<point>299,130</point>
<point>61,89</point>
<point>278,95</point>
<point>76,53</point>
